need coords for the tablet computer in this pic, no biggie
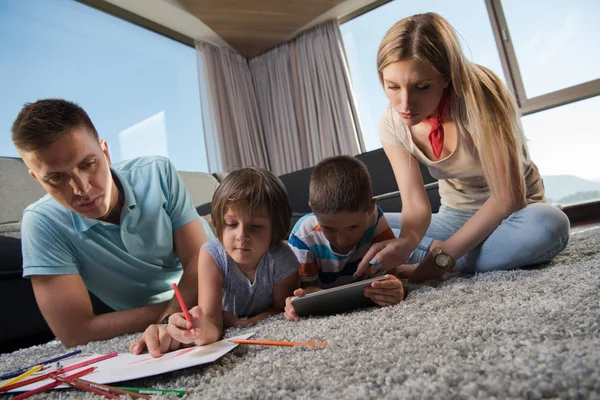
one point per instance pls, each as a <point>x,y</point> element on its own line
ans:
<point>335,300</point>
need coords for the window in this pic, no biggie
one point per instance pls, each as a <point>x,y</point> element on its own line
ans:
<point>362,36</point>
<point>564,142</point>
<point>557,48</point>
<point>139,88</point>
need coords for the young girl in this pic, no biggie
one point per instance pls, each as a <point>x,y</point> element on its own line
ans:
<point>246,273</point>
<point>461,121</point>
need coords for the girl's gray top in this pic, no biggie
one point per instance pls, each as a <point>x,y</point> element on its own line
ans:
<point>242,297</point>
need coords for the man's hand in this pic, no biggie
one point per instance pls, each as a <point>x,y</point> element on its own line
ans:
<point>387,292</point>
<point>156,339</point>
<point>290,313</point>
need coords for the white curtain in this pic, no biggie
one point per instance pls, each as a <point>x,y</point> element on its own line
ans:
<point>286,109</point>
<point>232,126</point>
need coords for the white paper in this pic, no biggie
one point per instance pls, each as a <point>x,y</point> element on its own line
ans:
<point>127,366</point>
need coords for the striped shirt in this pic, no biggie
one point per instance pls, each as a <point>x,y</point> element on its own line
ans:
<point>319,262</point>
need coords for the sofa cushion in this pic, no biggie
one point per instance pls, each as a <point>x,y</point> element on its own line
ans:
<point>19,189</point>
<point>11,260</point>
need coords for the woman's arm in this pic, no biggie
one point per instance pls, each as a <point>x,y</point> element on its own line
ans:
<point>416,212</point>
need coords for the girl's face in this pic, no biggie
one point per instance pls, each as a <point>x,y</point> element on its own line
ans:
<point>414,89</point>
<point>246,238</point>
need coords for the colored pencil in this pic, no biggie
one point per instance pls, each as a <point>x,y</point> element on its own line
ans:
<point>63,370</point>
<point>188,317</point>
<point>111,389</point>
<point>277,343</point>
<point>24,375</point>
<point>54,384</point>
<point>151,391</point>
<point>25,369</point>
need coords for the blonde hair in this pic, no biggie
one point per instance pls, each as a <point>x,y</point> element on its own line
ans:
<point>480,103</point>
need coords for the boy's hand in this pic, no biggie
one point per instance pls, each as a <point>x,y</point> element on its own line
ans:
<point>230,320</point>
<point>290,313</point>
<point>181,330</point>
<point>156,339</point>
<point>387,292</point>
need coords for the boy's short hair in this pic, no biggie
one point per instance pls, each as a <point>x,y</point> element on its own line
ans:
<point>44,122</point>
<point>340,184</point>
<point>254,188</point>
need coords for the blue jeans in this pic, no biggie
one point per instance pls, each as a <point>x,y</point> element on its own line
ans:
<point>529,236</point>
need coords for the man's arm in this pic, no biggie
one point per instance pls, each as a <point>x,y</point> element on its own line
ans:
<point>187,240</point>
<point>65,304</point>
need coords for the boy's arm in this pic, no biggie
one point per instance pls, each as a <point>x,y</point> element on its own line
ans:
<point>383,231</point>
<point>309,267</point>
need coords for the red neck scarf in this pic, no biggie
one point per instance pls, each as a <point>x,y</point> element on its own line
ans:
<point>436,135</point>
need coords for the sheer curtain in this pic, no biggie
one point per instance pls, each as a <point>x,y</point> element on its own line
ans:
<point>232,126</point>
<point>286,109</point>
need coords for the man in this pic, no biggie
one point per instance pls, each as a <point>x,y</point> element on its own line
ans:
<point>124,232</point>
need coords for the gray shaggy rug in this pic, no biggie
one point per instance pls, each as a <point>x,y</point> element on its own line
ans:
<point>532,333</point>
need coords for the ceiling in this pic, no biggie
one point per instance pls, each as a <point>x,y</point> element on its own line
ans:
<point>248,26</point>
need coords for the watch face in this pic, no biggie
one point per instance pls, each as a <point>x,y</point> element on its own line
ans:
<point>443,260</point>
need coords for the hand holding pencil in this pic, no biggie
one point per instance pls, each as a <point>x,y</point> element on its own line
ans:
<point>185,326</point>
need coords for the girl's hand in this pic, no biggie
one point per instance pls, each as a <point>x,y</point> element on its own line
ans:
<point>387,292</point>
<point>181,330</point>
<point>385,256</point>
<point>290,313</point>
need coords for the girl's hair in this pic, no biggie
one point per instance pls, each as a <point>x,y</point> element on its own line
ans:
<point>252,190</point>
<point>480,103</point>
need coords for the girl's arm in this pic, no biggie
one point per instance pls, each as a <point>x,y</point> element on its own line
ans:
<point>210,293</point>
<point>282,290</point>
<point>416,212</point>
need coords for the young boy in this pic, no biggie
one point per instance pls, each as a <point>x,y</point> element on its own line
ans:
<point>331,241</point>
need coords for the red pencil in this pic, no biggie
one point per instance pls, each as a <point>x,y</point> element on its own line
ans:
<point>188,317</point>
<point>71,367</point>
<point>53,384</point>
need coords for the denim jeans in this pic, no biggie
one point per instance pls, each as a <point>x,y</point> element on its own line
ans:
<point>529,236</point>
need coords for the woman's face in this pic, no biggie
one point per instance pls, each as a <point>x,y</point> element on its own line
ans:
<point>414,89</point>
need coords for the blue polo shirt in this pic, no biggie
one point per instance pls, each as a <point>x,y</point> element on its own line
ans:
<point>128,265</point>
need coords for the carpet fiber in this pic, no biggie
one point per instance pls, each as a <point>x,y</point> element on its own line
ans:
<point>532,333</point>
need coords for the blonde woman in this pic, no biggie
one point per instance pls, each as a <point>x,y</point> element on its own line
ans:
<point>461,121</point>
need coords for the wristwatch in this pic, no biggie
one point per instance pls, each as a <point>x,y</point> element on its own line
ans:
<point>443,260</point>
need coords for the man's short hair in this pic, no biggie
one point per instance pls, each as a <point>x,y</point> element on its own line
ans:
<point>340,184</point>
<point>44,122</point>
<point>253,189</point>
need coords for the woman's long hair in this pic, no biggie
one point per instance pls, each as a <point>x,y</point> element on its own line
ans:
<point>480,103</point>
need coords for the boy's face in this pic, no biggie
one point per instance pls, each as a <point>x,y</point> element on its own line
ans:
<point>246,238</point>
<point>344,230</point>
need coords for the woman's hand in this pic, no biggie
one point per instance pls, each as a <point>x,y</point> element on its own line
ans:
<point>385,256</point>
<point>387,292</point>
<point>428,268</point>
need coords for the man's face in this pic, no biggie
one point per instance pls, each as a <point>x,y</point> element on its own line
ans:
<point>344,230</point>
<point>75,172</point>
